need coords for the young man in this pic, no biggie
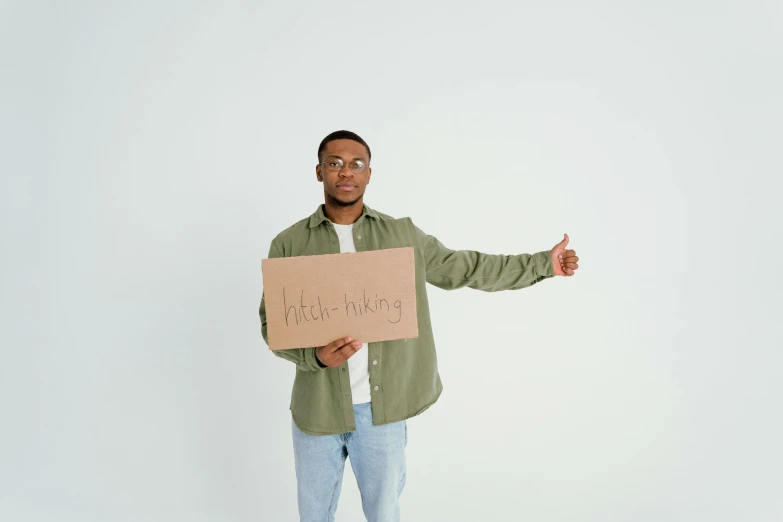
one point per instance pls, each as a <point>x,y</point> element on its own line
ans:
<point>351,399</point>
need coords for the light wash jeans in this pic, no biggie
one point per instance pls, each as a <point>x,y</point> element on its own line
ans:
<point>377,455</point>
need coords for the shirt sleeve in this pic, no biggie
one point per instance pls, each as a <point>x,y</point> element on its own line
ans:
<point>451,269</point>
<point>303,358</point>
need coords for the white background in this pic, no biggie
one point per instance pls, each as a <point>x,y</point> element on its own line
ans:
<point>150,152</point>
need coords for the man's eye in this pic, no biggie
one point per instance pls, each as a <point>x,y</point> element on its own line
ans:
<point>333,164</point>
<point>358,164</point>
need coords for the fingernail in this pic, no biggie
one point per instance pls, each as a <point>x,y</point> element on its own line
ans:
<point>348,339</point>
<point>357,344</point>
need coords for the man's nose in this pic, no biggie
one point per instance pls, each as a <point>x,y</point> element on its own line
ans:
<point>345,171</point>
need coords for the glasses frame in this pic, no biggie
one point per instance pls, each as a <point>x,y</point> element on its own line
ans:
<point>343,166</point>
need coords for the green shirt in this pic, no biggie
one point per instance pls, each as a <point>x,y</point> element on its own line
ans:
<point>404,378</point>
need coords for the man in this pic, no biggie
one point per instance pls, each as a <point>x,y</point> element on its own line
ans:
<point>351,399</point>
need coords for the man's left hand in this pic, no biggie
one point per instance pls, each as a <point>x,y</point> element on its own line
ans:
<point>563,261</point>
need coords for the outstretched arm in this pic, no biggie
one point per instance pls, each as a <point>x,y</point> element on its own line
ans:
<point>450,269</point>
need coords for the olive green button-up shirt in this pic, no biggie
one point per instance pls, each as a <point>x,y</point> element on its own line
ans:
<point>404,378</point>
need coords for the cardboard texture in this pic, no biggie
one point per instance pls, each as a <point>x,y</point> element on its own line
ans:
<point>314,300</point>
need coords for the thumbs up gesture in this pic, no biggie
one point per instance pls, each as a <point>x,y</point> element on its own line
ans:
<point>563,261</point>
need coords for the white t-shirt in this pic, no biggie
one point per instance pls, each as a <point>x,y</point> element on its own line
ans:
<point>358,363</point>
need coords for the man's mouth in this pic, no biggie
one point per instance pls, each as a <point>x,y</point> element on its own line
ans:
<point>346,187</point>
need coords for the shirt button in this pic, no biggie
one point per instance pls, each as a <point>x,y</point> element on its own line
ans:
<point>358,237</point>
<point>346,395</point>
<point>374,363</point>
<point>343,369</point>
<point>376,388</point>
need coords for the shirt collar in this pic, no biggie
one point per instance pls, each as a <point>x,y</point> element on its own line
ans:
<point>319,216</point>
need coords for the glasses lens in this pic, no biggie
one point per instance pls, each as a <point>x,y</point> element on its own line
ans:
<point>334,164</point>
<point>357,167</point>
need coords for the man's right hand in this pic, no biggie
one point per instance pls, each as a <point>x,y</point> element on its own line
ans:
<point>337,352</point>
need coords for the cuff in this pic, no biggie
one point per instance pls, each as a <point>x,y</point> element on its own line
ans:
<point>311,361</point>
<point>543,263</point>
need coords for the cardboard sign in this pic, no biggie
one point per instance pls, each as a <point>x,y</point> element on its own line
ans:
<point>314,300</point>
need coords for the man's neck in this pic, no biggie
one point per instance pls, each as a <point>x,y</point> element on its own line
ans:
<point>343,215</point>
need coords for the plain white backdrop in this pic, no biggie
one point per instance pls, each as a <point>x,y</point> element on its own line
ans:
<point>152,150</point>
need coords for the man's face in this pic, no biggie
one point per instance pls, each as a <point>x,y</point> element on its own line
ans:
<point>344,187</point>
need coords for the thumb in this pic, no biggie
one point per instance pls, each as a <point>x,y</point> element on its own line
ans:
<point>564,242</point>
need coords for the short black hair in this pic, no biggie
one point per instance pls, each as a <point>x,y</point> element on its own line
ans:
<point>343,135</point>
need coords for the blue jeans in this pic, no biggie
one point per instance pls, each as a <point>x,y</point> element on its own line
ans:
<point>377,455</point>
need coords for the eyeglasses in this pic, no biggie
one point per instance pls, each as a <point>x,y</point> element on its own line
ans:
<point>336,165</point>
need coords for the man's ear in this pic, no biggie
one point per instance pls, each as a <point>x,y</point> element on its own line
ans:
<point>318,173</point>
<point>369,174</point>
